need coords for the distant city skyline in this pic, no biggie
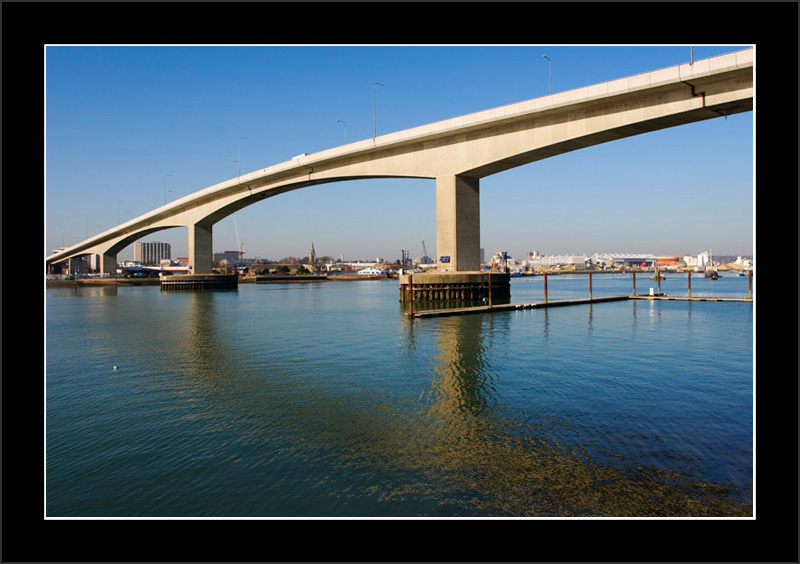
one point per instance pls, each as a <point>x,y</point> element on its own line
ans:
<point>129,128</point>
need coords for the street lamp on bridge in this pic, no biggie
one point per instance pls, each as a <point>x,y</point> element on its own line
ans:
<point>165,188</point>
<point>239,157</point>
<point>551,72</point>
<point>374,119</point>
<point>344,133</point>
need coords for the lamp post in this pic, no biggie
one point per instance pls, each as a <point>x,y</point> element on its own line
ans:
<point>165,188</point>
<point>374,118</point>
<point>551,71</point>
<point>239,157</point>
<point>344,130</point>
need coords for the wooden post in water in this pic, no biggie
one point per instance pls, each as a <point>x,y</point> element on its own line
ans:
<point>689,278</point>
<point>490,290</point>
<point>750,283</point>
<point>545,287</point>
<point>634,283</point>
<point>590,285</point>
<point>658,280</point>
<point>411,294</point>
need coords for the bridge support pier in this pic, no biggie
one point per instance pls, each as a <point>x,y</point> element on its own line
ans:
<point>455,287</point>
<point>108,263</point>
<point>458,223</point>
<point>200,250</point>
<point>458,246</point>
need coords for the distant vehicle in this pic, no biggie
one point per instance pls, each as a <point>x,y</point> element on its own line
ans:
<point>137,272</point>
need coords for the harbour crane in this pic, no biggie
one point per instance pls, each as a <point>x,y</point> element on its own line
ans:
<point>239,245</point>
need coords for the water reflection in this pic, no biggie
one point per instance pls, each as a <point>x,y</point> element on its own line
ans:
<point>434,435</point>
<point>462,383</point>
<point>200,344</point>
<point>487,461</point>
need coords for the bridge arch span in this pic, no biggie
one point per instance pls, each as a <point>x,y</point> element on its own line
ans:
<point>459,152</point>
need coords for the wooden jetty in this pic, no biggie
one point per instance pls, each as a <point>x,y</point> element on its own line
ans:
<point>689,298</point>
<point>561,303</point>
<point>512,307</point>
<point>653,295</point>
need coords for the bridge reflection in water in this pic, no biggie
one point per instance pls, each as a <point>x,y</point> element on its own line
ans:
<point>263,401</point>
<point>461,443</point>
<point>540,464</point>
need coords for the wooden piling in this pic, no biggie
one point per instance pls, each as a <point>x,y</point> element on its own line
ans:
<point>545,287</point>
<point>200,282</point>
<point>411,293</point>
<point>689,278</point>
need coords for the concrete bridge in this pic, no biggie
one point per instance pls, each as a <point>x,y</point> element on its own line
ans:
<point>457,153</point>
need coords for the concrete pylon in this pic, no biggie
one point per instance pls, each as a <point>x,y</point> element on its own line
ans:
<point>200,253</point>
<point>108,263</point>
<point>458,223</point>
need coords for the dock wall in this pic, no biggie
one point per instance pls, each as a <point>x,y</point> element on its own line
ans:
<point>200,282</point>
<point>444,286</point>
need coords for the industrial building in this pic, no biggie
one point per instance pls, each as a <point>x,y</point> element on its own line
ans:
<point>624,260</point>
<point>546,261</point>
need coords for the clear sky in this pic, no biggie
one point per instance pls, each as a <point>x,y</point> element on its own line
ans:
<point>130,126</point>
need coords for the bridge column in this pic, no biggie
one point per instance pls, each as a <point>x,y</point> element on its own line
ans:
<point>200,253</point>
<point>458,223</point>
<point>108,263</point>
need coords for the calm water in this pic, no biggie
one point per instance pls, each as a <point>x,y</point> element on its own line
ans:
<point>323,400</point>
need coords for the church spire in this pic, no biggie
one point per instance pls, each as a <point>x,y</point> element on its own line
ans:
<point>312,255</point>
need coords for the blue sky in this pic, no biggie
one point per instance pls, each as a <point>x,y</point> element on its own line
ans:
<point>128,125</point>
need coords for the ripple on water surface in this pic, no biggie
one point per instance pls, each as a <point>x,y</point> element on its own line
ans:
<point>292,400</point>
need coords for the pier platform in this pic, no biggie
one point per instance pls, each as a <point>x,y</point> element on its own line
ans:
<point>200,282</point>
<point>688,298</point>
<point>560,303</point>
<point>443,286</point>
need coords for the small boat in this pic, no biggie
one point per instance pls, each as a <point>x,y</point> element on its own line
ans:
<point>658,277</point>
<point>711,271</point>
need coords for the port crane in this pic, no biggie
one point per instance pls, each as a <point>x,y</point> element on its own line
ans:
<point>239,245</point>
<point>425,259</point>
